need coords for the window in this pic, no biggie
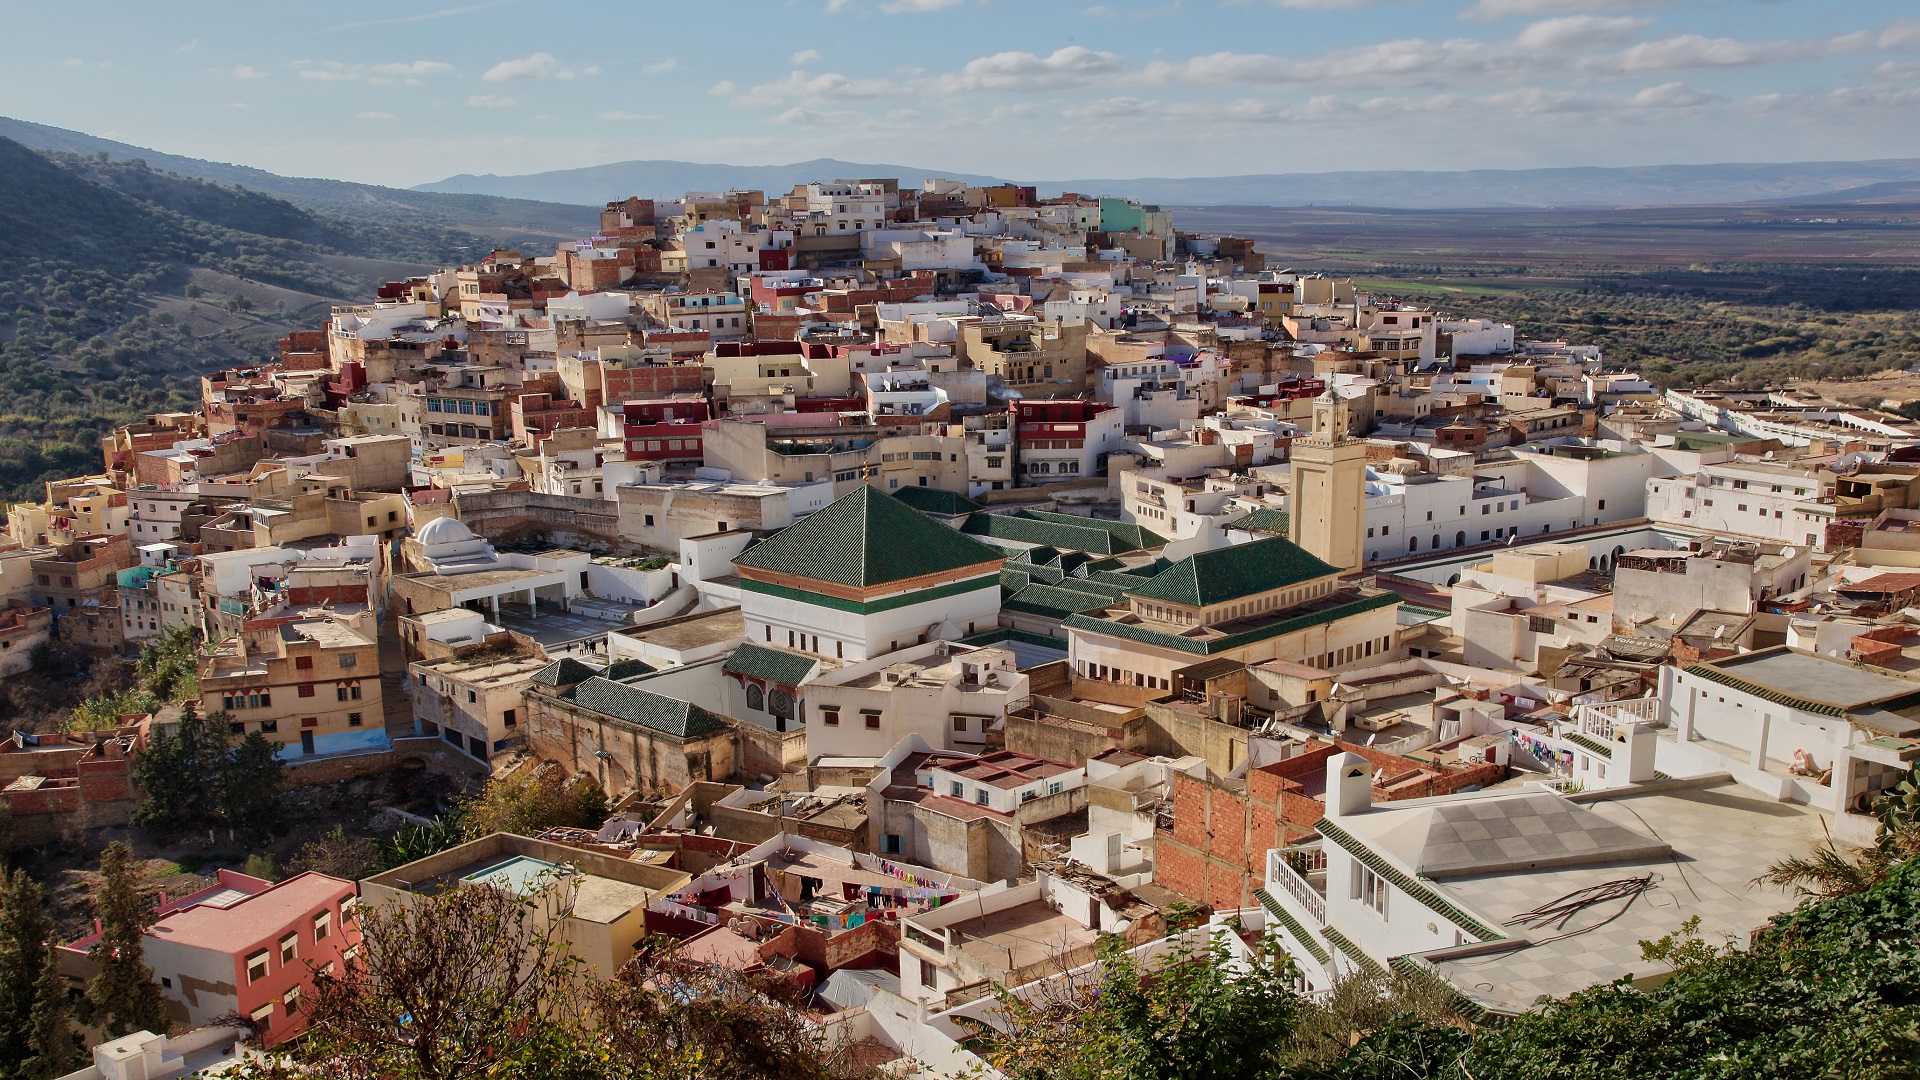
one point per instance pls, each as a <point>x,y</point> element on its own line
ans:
<point>1603,504</point>
<point>348,661</point>
<point>830,717</point>
<point>268,727</point>
<point>959,723</point>
<point>1370,889</point>
<point>1053,788</point>
<point>291,1000</point>
<point>980,796</point>
<point>303,663</point>
<point>262,1014</point>
<point>872,719</point>
<point>322,925</point>
<point>306,689</point>
<point>959,790</point>
<point>289,947</point>
<point>256,967</point>
<point>756,699</point>
<point>354,720</point>
<point>509,718</point>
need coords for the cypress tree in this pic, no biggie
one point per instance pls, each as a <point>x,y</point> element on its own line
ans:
<point>24,929</point>
<point>124,996</point>
<point>54,1044</point>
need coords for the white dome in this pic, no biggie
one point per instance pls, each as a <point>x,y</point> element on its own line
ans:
<point>445,530</point>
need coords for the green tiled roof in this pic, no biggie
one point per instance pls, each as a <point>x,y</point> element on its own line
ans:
<point>1223,574</point>
<point>628,668</point>
<point>1293,926</point>
<point>1021,529</point>
<point>932,500</point>
<point>1353,952</point>
<point>864,539</point>
<point>773,665</point>
<point>1204,646</point>
<point>1134,536</point>
<point>1000,634</point>
<point>1264,520</point>
<point>564,672</point>
<point>1590,744</point>
<point>643,708</point>
<point>1056,601</point>
<point>1405,882</point>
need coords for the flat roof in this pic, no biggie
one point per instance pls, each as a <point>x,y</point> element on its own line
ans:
<point>1807,675</point>
<point>1705,876</point>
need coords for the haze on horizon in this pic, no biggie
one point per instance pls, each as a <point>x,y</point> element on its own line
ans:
<point>1054,90</point>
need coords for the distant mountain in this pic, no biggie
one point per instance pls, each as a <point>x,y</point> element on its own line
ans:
<point>1649,185</point>
<point>672,179</point>
<point>1653,185</point>
<point>509,220</point>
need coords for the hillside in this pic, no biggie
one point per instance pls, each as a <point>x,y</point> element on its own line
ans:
<point>117,283</point>
<point>510,220</point>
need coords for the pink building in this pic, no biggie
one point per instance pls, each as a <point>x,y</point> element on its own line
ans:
<point>243,946</point>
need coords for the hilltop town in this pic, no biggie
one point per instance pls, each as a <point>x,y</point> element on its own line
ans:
<point>917,592</point>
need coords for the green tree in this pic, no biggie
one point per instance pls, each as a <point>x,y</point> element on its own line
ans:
<point>24,931</point>
<point>247,784</point>
<point>1192,1013</point>
<point>531,804</point>
<point>123,996</point>
<point>195,778</point>
<point>55,1045</point>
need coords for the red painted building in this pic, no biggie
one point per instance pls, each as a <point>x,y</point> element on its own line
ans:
<point>664,429</point>
<point>243,945</point>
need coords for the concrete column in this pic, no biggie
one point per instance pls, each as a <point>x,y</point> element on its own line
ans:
<point>1759,758</point>
<point>1841,782</point>
<point>1686,715</point>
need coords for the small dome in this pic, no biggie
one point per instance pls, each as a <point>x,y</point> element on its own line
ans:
<point>445,530</point>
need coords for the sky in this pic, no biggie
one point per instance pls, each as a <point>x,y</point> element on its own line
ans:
<point>405,94</point>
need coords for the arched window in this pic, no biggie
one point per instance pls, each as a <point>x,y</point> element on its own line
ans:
<point>755,699</point>
<point>1460,538</point>
<point>1413,543</point>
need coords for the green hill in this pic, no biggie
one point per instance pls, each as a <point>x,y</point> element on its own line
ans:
<point>118,283</point>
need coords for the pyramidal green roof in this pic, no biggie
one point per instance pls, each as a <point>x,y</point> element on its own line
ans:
<point>1223,574</point>
<point>866,538</point>
<point>932,500</point>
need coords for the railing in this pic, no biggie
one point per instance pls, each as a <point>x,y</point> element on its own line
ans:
<point>1282,873</point>
<point>1600,719</point>
<point>916,934</point>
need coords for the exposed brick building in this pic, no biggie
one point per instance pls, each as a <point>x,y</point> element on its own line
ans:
<point>1216,851</point>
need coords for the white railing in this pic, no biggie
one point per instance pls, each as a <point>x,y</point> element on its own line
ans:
<point>1599,720</point>
<point>1282,874</point>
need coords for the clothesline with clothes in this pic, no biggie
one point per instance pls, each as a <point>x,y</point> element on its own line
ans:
<point>668,906</point>
<point>881,896</point>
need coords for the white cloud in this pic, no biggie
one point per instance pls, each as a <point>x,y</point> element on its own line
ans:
<point>1070,66</point>
<point>376,116</point>
<point>236,105</point>
<point>417,68</point>
<point>488,101</point>
<point>827,86</point>
<point>804,57</point>
<point>915,7</point>
<point>834,6</point>
<point>245,71</point>
<point>189,46</point>
<point>540,65</point>
<point>73,61</point>
<point>1579,32</point>
<point>723,88</point>
<point>1488,10</point>
<point>616,114</point>
<point>661,67</point>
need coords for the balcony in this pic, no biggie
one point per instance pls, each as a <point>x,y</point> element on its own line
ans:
<point>1310,891</point>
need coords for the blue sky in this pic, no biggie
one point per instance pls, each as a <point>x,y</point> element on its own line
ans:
<point>1040,89</point>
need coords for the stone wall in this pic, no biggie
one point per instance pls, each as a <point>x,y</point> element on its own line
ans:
<point>558,520</point>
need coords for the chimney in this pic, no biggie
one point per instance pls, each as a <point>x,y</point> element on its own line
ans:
<point>1349,785</point>
<point>1640,743</point>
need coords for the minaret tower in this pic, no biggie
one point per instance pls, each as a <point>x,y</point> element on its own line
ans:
<point>1328,507</point>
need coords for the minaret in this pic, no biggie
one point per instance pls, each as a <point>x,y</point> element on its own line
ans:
<point>1328,508</point>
